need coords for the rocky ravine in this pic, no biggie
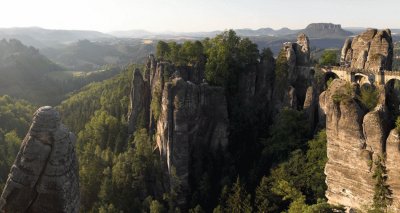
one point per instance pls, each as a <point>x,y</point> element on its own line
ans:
<point>356,136</point>
<point>45,176</point>
<point>182,113</point>
<point>186,113</point>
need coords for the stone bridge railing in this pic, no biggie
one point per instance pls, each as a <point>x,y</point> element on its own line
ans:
<point>372,76</point>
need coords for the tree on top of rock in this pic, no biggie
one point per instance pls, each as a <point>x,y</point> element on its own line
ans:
<point>227,55</point>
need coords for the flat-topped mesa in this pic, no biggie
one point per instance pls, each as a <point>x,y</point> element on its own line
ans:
<point>371,50</point>
<point>44,176</point>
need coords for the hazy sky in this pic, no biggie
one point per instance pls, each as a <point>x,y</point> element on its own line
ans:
<point>196,15</point>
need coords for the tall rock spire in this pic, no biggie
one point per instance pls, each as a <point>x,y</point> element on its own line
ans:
<point>44,177</point>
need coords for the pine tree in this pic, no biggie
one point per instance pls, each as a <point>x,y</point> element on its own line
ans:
<point>383,195</point>
<point>261,200</point>
<point>238,200</point>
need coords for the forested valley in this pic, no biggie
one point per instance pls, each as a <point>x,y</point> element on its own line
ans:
<point>272,163</point>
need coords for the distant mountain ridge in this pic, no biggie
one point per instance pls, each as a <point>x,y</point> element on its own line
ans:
<point>42,38</point>
<point>325,30</point>
<point>312,30</point>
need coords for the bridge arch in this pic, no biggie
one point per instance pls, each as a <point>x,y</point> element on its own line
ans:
<point>328,77</point>
<point>363,79</point>
<point>392,78</point>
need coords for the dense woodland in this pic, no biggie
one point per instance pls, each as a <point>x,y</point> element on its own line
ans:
<point>268,167</point>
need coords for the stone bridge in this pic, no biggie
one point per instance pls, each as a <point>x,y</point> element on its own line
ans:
<point>376,77</point>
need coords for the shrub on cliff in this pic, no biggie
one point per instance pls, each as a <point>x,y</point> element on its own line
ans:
<point>328,58</point>
<point>369,97</point>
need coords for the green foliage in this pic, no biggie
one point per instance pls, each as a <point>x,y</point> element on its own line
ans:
<point>343,95</point>
<point>155,105</point>
<point>227,55</point>
<point>156,207</point>
<point>303,172</point>
<point>192,52</point>
<point>328,58</point>
<point>369,97</point>
<point>262,196</point>
<point>398,124</point>
<point>382,193</point>
<point>281,71</point>
<point>15,118</point>
<point>15,115</point>
<point>111,95</point>
<point>197,209</point>
<point>329,82</point>
<point>235,200</point>
<point>298,201</point>
<point>162,50</point>
<point>188,53</point>
<point>288,133</point>
<point>316,159</point>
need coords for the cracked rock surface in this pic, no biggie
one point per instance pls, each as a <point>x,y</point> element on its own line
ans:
<point>44,176</point>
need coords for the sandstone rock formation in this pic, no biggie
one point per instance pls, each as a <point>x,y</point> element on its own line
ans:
<point>299,76</point>
<point>183,113</point>
<point>392,166</point>
<point>348,170</point>
<point>372,50</point>
<point>192,115</point>
<point>139,102</point>
<point>356,138</point>
<point>44,177</point>
<point>302,50</point>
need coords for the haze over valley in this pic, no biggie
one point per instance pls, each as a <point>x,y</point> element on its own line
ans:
<point>199,106</point>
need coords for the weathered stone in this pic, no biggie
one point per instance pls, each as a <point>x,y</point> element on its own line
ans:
<point>44,177</point>
<point>139,109</point>
<point>302,49</point>
<point>348,170</point>
<point>292,90</point>
<point>392,166</point>
<point>372,50</point>
<point>191,115</point>
<point>355,140</point>
<point>310,106</point>
<point>376,129</point>
<point>346,54</point>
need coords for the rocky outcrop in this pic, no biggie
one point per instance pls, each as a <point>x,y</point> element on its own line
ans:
<point>139,103</point>
<point>183,114</point>
<point>371,50</point>
<point>348,170</point>
<point>302,50</point>
<point>290,89</point>
<point>392,166</point>
<point>356,138</point>
<point>192,115</point>
<point>44,177</point>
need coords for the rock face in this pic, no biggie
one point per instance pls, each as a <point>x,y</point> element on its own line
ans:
<point>192,115</point>
<point>302,50</point>
<point>183,113</point>
<point>372,50</point>
<point>356,138</point>
<point>348,170</point>
<point>392,166</point>
<point>139,102</point>
<point>297,79</point>
<point>44,177</point>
